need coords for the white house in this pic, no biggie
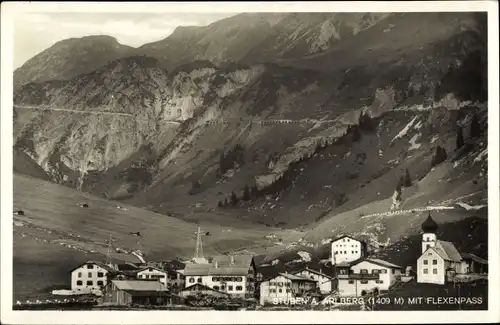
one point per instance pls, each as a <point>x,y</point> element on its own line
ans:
<point>285,286</point>
<point>439,258</point>
<point>152,273</point>
<point>324,282</point>
<point>231,274</point>
<point>347,249</point>
<point>366,275</point>
<point>90,276</point>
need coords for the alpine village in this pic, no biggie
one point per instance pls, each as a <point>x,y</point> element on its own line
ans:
<point>353,278</point>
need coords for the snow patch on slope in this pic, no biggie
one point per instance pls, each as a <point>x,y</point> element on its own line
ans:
<point>405,130</point>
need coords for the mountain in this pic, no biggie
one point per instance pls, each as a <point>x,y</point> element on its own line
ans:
<point>258,37</point>
<point>226,40</point>
<point>68,58</point>
<point>311,142</point>
<point>247,37</point>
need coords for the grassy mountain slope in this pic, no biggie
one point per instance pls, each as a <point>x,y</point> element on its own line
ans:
<point>55,208</point>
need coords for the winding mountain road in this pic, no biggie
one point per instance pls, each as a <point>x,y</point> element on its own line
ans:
<point>211,122</point>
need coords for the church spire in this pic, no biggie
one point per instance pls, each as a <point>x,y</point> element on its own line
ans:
<point>429,225</point>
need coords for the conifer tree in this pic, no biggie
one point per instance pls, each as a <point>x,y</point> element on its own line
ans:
<point>234,198</point>
<point>460,138</point>
<point>246,193</point>
<point>475,128</point>
<point>407,181</point>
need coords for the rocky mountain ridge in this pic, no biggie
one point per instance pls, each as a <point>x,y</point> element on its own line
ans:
<point>246,37</point>
<point>186,139</point>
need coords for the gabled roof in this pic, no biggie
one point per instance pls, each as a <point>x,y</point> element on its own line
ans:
<point>100,264</point>
<point>146,293</point>
<point>127,267</point>
<point>137,285</point>
<point>293,277</point>
<point>438,251</point>
<point>204,287</point>
<point>150,267</point>
<point>221,265</point>
<point>379,262</point>
<point>346,236</point>
<point>348,264</point>
<point>244,260</point>
<point>475,258</point>
<point>360,276</point>
<point>449,250</point>
<point>313,271</point>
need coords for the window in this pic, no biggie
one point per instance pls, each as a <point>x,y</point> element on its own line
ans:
<point>216,288</point>
<point>383,271</point>
<point>214,279</point>
<point>288,290</point>
<point>150,270</point>
<point>364,281</point>
<point>426,262</point>
<point>191,280</point>
<point>393,271</point>
<point>364,271</point>
<point>434,262</point>
<point>100,283</point>
<point>239,279</point>
<point>426,271</point>
<point>435,271</point>
<point>199,280</point>
<point>90,266</point>
<point>239,288</point>
<point>375,271</point>
<point>379,281</point>
<point>351,281</point>
<point>100,274</point>
<point>427,246</point>
<point>273,290</point>
<point>79,274</point>
<point>89,283</point>
<point>90,274</point>
<point>345,252</point>
<point>222,288</point>
<point>288,284</point>
<point>280,290</point>
<point>230,288</point>
<point>79,283</point>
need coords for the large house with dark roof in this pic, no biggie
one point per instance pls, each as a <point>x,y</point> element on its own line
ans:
<point>90,276</point>
<point>231,274</point>
<point>346,249</point>
<point>440,259</point>
<point>367,275</point>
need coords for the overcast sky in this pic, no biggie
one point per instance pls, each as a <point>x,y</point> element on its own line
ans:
<point>35,32</point>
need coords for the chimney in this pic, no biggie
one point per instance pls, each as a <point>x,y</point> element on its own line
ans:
<point>321,270</point>
<point>232,260</point>
<point>216,264</point>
